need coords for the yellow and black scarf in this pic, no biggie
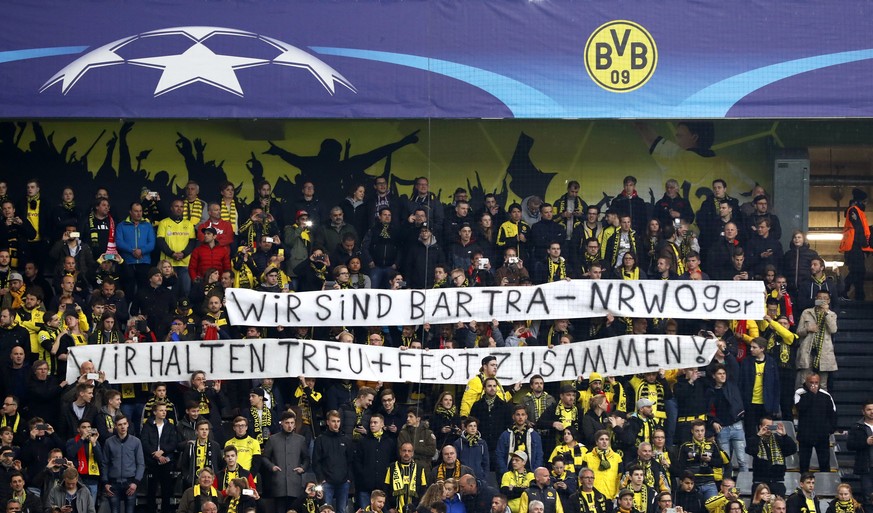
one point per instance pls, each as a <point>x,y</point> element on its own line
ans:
<point>264,420</point>
<point>557,270</point>
<point>818,339</point>
<point>441,471</point>
<point>769,450</point>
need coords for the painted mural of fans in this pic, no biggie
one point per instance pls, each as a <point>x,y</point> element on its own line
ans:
<point>324,168</point>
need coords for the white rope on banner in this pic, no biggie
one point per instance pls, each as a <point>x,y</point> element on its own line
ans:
<point>677,299</point>
<point>275,358</point>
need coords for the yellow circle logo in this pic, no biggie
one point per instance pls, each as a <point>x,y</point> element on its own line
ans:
<point>621,56</point>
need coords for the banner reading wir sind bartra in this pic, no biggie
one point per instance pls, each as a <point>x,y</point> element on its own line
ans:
<point>565,299</point>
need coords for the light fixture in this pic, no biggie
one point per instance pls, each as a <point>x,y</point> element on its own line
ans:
<point>825,236</point>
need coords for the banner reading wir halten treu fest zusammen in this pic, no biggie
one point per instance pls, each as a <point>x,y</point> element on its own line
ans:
<point>630,354</point>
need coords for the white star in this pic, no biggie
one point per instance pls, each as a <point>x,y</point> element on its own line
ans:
<point>295,57</point>
<point>199,64</point>
<point>100,57</point>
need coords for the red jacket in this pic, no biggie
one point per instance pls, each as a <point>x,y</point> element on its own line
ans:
<point>224,231</point>
<point>203,257</point>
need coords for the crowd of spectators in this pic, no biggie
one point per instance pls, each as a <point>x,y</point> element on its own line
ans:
<point>76,271</point>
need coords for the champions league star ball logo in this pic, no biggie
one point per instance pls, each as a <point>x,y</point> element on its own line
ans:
<point>200,62</point>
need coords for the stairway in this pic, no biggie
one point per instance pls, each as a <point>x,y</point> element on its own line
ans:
<point>853,383</point>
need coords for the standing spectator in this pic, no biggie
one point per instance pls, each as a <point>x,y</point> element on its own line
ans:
<point>589,499</point>
<point>159,442</point>
<point>606,464</point>
<point>208,255</point>
<point>176,239</point>
<point>709,218</point>
<point>125,467</point>
<point>473,450</point>
<point>570,208</point>
<point>816,328</point>
<point>672,206</point>
<point>817,420</point>
<point>66,213</point>
<point>520,436</point>
<point>230,208</point>
<point>769,446</point>
<point>764,249</point>
<point>797,261</point>
<point>629,203</point>
<point>855,246</point>
<point>422,197</point>
<point>194,208</point>
<point>198,453</point>
<point>289,452</point>
<point>759,384</point>
<point>726,400</point>
<point>86,453</point>
<point>70,492</point>
<point>381,250</point>
<point>332,463</point>
<point>405,481</point>
<point>815,281</point>
<point>373,456</point>
<point>700,457</point>
<point>135,239</point>
<point>224,230</point>
<point>100,230</point>
<point>420,436</point>
<point>861,442</point>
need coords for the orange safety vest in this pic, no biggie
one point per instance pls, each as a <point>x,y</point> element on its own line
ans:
<point>849,231</point>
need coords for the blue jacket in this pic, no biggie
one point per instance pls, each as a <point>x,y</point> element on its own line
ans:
<point>454,504</point>
<point>771,383</point>
<point>123,460</point>
<point>475,457</point>
<point>129,237</point>
<point>505,446</point>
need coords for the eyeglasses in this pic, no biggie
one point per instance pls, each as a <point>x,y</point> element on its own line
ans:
<point>343,272</point>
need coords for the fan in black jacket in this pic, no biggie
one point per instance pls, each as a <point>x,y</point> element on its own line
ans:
<point>160,439</point>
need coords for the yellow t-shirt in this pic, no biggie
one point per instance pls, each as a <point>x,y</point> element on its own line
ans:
<point>758,389</point>
<point>177,236</point>
<point>516,480</point>
<point>246,450</point>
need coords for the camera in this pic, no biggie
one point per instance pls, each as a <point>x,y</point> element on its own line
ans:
<point>677,222</point>
<point>75,235</point>
<point>512,260</point>
<point>773,427</point>
<point>401,284</point>
<point>248,491</point>
<point>92,375</point>
<point>820,302</point>
<point>59,461</point>
<point>109,257</point>
<point>269,239</point>
<point>42,427</point>
<point>152,195</point>
<point>319,488</point>
<point>210,383</point>
<point>141,326</point>
<point>307,224</point>
<point>318,258</point>
<point>482,263</point>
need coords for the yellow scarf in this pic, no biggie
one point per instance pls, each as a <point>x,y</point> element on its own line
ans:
<point>3,422</point>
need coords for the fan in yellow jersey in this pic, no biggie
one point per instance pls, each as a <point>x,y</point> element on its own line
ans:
<point>176,238</point>
<point>475,389</point>
<point>606,465</point>
<point>246,447</point>
<point>516,480</point>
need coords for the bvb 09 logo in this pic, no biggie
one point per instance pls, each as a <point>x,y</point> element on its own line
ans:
<point>620,56</point>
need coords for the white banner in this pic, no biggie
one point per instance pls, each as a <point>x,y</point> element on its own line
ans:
<point>274,358</point>
<point>565,299</point>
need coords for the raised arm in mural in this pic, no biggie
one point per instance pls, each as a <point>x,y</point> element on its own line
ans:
<point>324,169</point>
<point>200,170</point>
